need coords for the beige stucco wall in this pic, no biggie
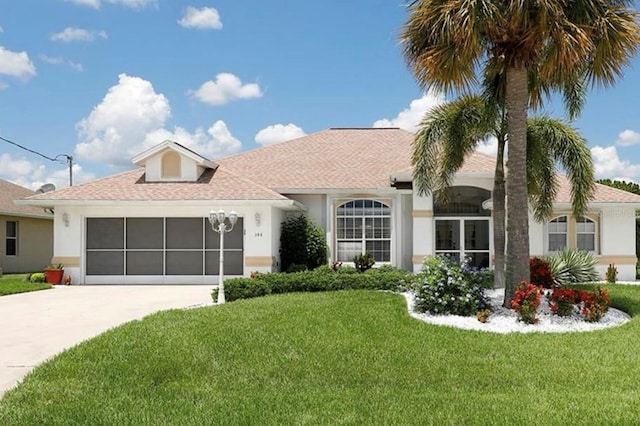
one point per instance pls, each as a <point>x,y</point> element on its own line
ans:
<point>35,245</point>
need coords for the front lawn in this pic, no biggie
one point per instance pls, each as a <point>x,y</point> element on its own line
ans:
<point>17,283</point>
<point>350,357</point>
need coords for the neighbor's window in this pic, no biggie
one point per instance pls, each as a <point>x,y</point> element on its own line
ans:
<point>171,165</point>
<point>363,225</point>
<point>586,234</point>
<point>557,233</point>
<point>11,238</point>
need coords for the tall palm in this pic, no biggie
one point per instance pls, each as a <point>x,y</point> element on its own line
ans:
<point>533,48</point>
<point>453,130</point>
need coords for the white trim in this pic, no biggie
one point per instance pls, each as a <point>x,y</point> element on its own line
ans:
<point>284,203</point>
<point>141,158</point>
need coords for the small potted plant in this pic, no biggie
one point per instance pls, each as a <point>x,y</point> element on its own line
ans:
<point>53,273</point>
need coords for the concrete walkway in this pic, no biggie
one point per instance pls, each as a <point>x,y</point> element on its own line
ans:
<point>35,326</point>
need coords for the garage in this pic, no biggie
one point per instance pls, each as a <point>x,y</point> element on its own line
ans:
<point>159,250</point>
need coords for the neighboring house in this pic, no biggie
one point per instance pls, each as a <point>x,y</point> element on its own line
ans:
<point>150,225</point>
<point>26,232</point>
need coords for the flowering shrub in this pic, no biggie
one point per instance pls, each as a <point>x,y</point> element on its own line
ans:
<point>526,302</point>
<point>444,288</point>
<point>482,277</point>
<point>563,300</point>
<point>540,272</point>
<point>595,305</point>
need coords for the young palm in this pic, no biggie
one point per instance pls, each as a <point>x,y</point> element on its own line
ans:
<point>536,47</point>
<point>453,130</point>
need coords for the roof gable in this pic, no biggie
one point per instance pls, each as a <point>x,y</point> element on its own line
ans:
<point>9,192</point>
<point>141,159</point>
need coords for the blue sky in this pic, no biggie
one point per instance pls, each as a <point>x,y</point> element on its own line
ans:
<point>103,80</point>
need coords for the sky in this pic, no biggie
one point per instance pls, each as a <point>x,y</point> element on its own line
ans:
<point>104,80</point>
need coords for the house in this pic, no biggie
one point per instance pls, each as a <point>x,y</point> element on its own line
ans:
<point>26,232</point>
<point>150,225</point>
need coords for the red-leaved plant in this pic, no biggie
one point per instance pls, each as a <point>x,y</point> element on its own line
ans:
<point>563,300</point>
<point>595,305</point>
<point>526,302</point>
<point>540,272</point>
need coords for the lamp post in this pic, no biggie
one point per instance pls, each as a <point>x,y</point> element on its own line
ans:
<point>218,224</point>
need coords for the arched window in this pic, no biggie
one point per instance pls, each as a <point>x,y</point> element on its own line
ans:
<point>171,165</point>
<point>557,233</point>
<point>363,225</point>
<point>586,234</point>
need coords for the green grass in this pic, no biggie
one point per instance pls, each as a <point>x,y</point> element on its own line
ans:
<point>353,357</point>
<point>16,283</point>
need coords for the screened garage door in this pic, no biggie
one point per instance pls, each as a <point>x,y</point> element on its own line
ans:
<point>160,247</point>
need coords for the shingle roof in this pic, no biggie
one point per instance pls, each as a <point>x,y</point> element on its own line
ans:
<point>343,159</point>
<point>219,184</point>
<point>10,192</point>
<point>603,193</point>
<point>331,159</point>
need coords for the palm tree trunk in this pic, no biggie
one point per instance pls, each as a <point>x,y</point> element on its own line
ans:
<point>499,217</point>
<point>517,99</point>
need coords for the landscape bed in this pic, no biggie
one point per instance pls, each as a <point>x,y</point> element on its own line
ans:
<point>346,357</point>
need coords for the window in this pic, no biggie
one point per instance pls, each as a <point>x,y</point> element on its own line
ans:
<point>171,165</point>
<point>11,238</point>
<point>586,234</point>
<point>363,225</point>
<point>557,233</point>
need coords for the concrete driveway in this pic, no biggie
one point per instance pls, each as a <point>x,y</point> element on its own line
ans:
<point>35,326</point>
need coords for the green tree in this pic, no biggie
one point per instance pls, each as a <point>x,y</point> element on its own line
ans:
<point>453,130</point>
<point>529,50</point>
<point>621,184</point>
<point>302,244</point>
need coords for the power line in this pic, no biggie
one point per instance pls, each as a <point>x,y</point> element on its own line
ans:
<point>69,158</point>
<point>30,150</point>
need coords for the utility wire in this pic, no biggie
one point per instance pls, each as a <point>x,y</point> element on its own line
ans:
<point>32,151</point>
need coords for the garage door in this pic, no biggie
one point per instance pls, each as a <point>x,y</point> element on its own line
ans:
<point>169,246</point>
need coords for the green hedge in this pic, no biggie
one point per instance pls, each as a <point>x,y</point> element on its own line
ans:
<point>320,279</point>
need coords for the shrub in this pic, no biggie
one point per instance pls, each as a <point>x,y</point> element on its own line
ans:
<point>572,266</point>
<point>296,267</point>
<point>562,301</point>
<point>302,243</point>
<point>526,302</point>
<point>480,277</point>
<point>595,305</point>
<point>540,273</point>
<point>612,273</point>
<point>320,279</point>
<point>37,277</point>
<point>364,261</point>
<point>442,288</point>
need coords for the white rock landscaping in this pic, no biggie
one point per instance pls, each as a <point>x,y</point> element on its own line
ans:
<point>503,320</point>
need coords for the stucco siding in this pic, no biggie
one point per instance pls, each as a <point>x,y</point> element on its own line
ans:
<point>35,245</point>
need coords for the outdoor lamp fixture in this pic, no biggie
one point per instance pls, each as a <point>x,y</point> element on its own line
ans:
<point>217,219</point>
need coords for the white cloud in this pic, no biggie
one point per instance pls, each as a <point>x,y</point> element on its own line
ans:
<point>91,3</point>
<point>33,174</point>
<point>628,137</point>
<point>277,133</point>
<point>607,163</point>
<point>1,29</point>
<point>59,60</point>
<point>3,85</point>
<point>206,18</point>
<point>410,118</point>
<point>133,4</point>
<point>71,34</point>
<point>16,64</point>
<point>227,87</point>
<point>132,117</point>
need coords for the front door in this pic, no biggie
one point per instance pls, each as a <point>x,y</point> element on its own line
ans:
<point>464,238</point>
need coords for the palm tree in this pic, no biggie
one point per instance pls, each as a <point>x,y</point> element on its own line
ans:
<point>533,48</point>
<point>453,130</point>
